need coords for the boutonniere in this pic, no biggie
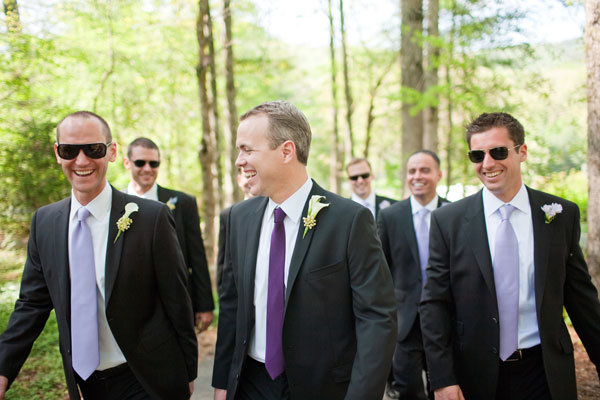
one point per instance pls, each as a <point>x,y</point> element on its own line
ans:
<point>125,222</point>
<point>551,210</point>
<point>384,204</point>
<point>171,203</point>
<point>314,206</point>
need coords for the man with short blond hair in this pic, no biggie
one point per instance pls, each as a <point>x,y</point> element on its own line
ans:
<point>360,177</point>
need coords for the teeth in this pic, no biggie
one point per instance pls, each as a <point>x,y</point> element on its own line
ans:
<point>418,184</point>
<point>492,174</point>
<point>83,173</point>
<point>250,174</point>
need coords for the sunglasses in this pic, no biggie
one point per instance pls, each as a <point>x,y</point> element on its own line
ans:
<point>91,150</point>
<point>141,163</point>
<point>355,177</point>
<point>497,153</point>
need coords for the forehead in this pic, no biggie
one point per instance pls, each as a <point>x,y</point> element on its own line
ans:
<point>421,160</point>
<point>359,168</point>
<point>143,153</point>
<point>81,130</point>
<point>252,131</point>
<point>493,137</point>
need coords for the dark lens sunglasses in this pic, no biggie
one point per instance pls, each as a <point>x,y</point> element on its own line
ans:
<point>92,150</point>
<point>141,163</point>
<point>497,153</point>
<point>355,177</point>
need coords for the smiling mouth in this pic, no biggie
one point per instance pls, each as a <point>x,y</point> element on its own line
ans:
<point>84,173</point>
<point>418,184</point>
<point>249,174</point>
<point>492,174</point>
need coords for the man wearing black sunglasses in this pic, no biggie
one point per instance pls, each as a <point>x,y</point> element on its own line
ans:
<point>360,177</point>
<point>502,265</point>
<point>143,161</point>
<point>110,266</point>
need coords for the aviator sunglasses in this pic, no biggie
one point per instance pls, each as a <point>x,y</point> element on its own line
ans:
<point>355,177</point>
<point>497,153</point>
<point>141,163</point>
<point>92,150</point>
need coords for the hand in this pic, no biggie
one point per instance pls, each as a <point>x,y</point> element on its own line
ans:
<point>220,394</point>
<point>449,393</point>
<point>203,320</point>
<point>3,386</point>
<point>191,389</point>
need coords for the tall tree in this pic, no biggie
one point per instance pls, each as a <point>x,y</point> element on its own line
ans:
<point>592,51</point>
<point>411,64</point>
<point>207,147</point>
<point>336,158</point>
<point>349,148</point>
<point>432,51</point>
<point>231,106</point>
<point>13,19</point>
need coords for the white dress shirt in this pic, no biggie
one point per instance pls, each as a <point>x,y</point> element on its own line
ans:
<point>99,208</point>
<point>369,202</point>
<point>522,224</point>
<point>415,207</point>
<point>151,194</point>
<point>292,207</point>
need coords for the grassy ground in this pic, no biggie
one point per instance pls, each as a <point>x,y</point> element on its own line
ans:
<point>42,376</point>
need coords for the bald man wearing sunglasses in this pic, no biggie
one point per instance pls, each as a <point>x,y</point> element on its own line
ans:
<point>502,265</point>
<point>110,267</point>
<point>143,161</point>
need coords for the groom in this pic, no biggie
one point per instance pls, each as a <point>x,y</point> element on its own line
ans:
<point>307,308</point>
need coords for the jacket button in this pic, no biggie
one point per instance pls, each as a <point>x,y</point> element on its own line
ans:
<point>244,342</point>
<point>495,320</point>
<point>494,350</point>
<point>237,377</point>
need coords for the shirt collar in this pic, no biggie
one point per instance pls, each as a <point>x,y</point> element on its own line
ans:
<point>99,207</point>
<point>370,200</point>
<point>151,194</point>
<point>416,206</point>
<point>491,203</point>
<point>293,205</point>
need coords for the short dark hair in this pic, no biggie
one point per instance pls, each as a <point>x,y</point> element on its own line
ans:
<point>87,115</point>
<point>357,160</point>
<point>142,142</point>
<point>487,121</point>
<point>430,153</point>
<point>286,122</point>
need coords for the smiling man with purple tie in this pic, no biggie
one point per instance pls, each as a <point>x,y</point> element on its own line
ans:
<point>500,271</point>
<point>306,302</point>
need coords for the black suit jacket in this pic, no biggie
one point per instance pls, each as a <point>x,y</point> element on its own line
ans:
<point>459,312</point>
<point>339,327</point>
<point>147,306</point>
<point>187,224</point>
<point>397,234</point>
<point>381,203</point>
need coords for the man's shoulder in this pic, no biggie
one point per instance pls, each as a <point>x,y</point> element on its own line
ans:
<point>395,208</point>
<point>383,202</point>
<point>167,194</point>
<point>458,208</point>
<point>537,196</point>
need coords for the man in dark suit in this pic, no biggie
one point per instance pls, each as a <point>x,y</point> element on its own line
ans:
<point>404,232</point>
<point>360,177</point>
<point>502,265</point>
<point>110,266</point>
<point>306,307</point>
<point>143,162</point>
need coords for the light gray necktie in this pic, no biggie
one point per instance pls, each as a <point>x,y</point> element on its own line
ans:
<point>422,231</point>
<point>84,307</point>
<point>506,279</point>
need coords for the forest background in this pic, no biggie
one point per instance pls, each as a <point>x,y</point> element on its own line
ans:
<point>376,78</point>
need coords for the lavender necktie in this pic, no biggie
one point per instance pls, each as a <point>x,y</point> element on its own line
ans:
<point>506,279</point>
<point>84,307</point>
<point>423,241</point>
<point>276,297</point>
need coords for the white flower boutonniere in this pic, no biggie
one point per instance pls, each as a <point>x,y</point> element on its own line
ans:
<point>125,222</point>
<point>551,210</point>
<point>314,206</point>
<point>172,202</point>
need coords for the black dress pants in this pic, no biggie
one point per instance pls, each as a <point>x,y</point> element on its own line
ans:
<point>409,364</point>
<point>116,383</point>
<point>256,383</point>
<point>522,377</point>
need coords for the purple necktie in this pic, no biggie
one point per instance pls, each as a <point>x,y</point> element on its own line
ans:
<point>276,297</point>
<point>423,241</point>
<point>84,307</point>
<point>506,279</point>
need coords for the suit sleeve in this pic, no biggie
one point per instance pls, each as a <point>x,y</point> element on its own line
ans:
<point>221,250</point>
<point>228,300</point>
<point>30,314</point>
<point>437,310</point>
<point>201,290</point>
<point>374,309</point>
<point>383,236</point>
<point>172,287</point>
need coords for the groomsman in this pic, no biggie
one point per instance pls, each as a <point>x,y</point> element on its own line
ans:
<point>360,177</point>
<point>502,265</point>
<point>404,232</point>
<point>306,306</point>
<point>143,162</point>
<point>110,266</point>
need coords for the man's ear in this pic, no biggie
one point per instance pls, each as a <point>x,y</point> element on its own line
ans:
<point>58,159</point>
<point>126,163</point>
<point>288,150</point>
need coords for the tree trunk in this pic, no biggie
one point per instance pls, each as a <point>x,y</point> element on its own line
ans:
<point>231,106</point>
<point>336,158</point>
<point>13,19</point>
<point>207,146</point>
<point>411,55</point>
<point>371,111</point>
<point>450,109</point>
<point>430,114</point>
<point>592,51</point>
<point>349,148</point>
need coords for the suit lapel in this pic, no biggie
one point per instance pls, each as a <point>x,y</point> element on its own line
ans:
<point>407,226</point>
<point>541,238</point>
<point>253,225</point>
<point>478,240</point>
<point>113,250</point>
<point>61,244</point>
<point>162,194</point>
